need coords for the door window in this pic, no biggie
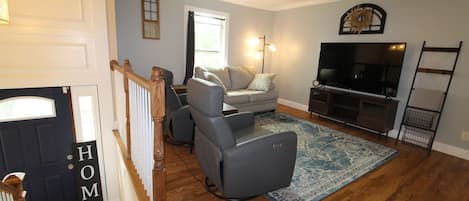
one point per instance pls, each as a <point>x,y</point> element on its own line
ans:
<point>26,108</point>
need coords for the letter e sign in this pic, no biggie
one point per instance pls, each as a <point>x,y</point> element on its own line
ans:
<point>86,169</point>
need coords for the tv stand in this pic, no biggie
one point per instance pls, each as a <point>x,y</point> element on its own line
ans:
<point>369,112</point>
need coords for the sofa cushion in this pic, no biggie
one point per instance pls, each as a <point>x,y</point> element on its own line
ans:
<point>222,74</point>
<point>236,99</point>
<point>243,92</point>
<point>263,96</point>
<point>240,77</point>
<point>215,79</point>
<point>247,96</point>
<point>239,96</point>
<point>262,82</point>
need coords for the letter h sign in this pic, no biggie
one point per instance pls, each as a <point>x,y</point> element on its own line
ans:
<point>86,168</point>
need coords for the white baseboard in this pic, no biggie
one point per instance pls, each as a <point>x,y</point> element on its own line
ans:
<point>393,134</point>
<point>451,150</point>
<point>293,104</point>
<point>441,147</point>
<point>437,146</point>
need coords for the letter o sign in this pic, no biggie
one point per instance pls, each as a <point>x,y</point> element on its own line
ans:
<point>83,171</point>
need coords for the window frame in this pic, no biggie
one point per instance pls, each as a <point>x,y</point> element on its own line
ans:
<point>209,13</point>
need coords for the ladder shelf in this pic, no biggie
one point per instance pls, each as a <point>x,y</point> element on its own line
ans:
<point>420,123</point>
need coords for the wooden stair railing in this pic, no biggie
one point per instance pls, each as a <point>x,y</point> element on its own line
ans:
<point>11,189</point>
<point>7,192</point>
<point>155,87</point>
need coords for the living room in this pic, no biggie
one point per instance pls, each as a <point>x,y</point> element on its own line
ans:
<point>298,34</point>
<point>297,29</point>
<point>70,43</point>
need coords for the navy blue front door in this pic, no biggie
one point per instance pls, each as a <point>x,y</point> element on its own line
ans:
<point>40,147</point>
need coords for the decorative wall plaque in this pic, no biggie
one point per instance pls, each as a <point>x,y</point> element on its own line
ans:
<point>151,19</point>
<point>363,19</point>
<point>87,176</point>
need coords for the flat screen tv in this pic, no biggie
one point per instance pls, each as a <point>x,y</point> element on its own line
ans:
<point>366,67</point>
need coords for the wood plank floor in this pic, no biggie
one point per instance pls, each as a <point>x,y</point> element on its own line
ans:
<point>412,175</point>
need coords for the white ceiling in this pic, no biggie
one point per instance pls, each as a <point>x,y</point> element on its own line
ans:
<point>276,5</point>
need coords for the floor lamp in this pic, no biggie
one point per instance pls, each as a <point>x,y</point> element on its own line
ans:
<point>261,53</point>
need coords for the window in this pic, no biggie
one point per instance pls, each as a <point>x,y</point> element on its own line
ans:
<point>26,108</point>
<point>87,118</point>
<point>86,112</point>
<point>210,40</point>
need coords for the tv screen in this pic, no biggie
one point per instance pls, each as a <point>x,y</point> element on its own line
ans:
<point>367,67</point>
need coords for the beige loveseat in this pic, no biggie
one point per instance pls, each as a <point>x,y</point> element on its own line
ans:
<point>243,89</point>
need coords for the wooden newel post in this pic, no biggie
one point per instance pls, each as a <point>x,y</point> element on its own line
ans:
<point>157,113</point>
<point>13,185</point>
<point>112,63</point>
<point>127,70</point>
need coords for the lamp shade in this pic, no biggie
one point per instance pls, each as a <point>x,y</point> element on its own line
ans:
<point>258,55</point>
<point>4,15</point>
<point>272,48</point>
<point>253,41</point>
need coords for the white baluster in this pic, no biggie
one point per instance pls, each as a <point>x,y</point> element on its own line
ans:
<point>139,131</point>
<point>142,137</point>
<point>132,117</point>
<point>133,132</point>
<point>144,124</point>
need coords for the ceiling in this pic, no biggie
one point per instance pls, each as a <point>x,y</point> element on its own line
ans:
<point>276,5</point>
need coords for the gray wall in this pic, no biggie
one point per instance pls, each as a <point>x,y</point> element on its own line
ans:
<point>299,32</point>
<point>169,51</point>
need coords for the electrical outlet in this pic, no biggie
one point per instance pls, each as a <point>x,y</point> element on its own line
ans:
<point>465,135</point>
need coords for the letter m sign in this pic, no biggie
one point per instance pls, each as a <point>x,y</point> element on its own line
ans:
<point>86,168</point>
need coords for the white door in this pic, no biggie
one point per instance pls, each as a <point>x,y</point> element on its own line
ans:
<point>62,43</point>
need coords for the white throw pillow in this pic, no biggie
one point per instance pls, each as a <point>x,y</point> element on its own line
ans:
<point>262,82</point>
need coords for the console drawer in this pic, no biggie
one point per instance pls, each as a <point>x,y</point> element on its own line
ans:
<point>318,107</point>
<point>373,122</point>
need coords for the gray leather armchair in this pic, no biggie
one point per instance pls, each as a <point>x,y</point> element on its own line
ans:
<point>238,158</point>
<point>178,124</point>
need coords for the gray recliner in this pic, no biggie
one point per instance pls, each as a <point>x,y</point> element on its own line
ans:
<point>178,124</point>
<point>238,158</point>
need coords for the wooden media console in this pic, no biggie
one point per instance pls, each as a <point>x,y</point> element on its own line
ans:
<point>369,112</point>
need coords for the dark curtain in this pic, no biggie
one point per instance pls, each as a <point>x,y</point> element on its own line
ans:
<point>190,48</point>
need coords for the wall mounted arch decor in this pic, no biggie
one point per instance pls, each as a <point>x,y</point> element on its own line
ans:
<point>363,19</point>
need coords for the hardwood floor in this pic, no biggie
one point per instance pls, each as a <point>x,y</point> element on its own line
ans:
<point>412,175</point>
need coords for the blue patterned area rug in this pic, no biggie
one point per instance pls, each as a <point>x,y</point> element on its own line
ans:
<point>326,159</point>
